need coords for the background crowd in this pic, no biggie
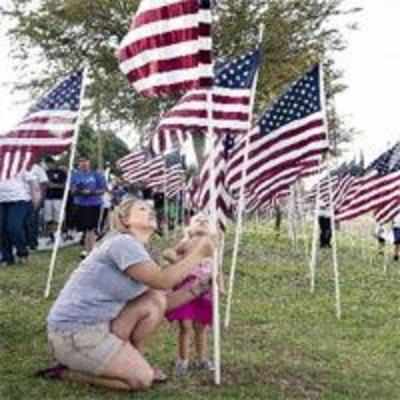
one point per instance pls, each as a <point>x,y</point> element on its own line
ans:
<point>31,203</point>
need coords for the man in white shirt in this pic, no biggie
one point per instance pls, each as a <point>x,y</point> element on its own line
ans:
<point>16,195</point>
<point>32,220</point>
<point>396,237</point>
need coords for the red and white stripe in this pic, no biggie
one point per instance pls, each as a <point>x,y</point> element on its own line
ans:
<point>43,132</point>
<point>132,161</point>
<point>374,191</point>
<point>388,211</point>
<point>268,154</point>
<point>224,201</point>
<point>157,174</point>
<point>168,47</point>
<point>175,180</point>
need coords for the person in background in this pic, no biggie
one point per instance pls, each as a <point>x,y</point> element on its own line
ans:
<point>325,226</point>
<point>396,237</point>
<point>380,235</point>
<point>32,220</point>
<point>87,187</point>
<point>118,192</point>
<point>16,196</point>
<point>52,205</point>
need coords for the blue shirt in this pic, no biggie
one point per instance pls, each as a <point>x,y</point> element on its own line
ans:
<point>91,180</point>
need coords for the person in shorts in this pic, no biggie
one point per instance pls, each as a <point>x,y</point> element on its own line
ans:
<point>396,237</point>
<point>52,205</point>
<point>87,187</point>
<point>102,319</point>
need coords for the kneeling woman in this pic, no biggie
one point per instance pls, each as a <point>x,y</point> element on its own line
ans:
<point>115,300</point>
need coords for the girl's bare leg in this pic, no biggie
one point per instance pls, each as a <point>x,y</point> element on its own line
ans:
<point>201,341</point>
<point>185,339</point>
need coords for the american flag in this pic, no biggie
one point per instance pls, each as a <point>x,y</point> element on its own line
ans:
<point>47,129</point>
<point>157,173</point>
<point>378,188</point>
<point>131,163</point>
<point>175,180</point>
<point>231,105</point>
<point>387,212</point>
<point>224,201</point>
<point>293,130</point>
<point>168,47</point>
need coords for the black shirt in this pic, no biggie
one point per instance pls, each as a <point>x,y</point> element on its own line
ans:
<point>57,176</point>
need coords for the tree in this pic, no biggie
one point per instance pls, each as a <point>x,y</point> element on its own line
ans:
<point>65,34</point>
<point>114,148</point>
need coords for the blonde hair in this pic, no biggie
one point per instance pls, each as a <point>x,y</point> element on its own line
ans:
<point>120,213</point>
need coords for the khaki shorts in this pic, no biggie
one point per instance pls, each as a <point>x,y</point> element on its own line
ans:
<point>88,350</point>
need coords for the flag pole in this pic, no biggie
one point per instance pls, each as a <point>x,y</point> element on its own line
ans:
<point>67,187</point>
<point>303,221</point>
<point>241,206</point>
<point>334,250</point>
<point>215,264</point>
<point>166,205</point>
<point>314,251</point>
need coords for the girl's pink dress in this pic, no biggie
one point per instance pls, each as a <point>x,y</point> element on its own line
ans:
<point>199,309</point>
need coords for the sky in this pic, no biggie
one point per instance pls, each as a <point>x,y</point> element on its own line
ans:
<point>371,67</point>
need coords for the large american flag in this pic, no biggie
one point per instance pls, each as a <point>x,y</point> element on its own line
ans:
<point>47,129</point>
<point>230,105</point>
<point>377,189</point>
<point>292,131</point>
<point>168,47</point>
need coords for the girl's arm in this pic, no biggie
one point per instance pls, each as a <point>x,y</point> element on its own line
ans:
<point>153,276</point>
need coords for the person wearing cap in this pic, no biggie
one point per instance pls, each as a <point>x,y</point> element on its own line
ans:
<point>325,226</point>
<point>87,187</point>
<point>53,202</point>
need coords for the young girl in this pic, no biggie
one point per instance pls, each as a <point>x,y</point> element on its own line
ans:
<point>195,317</point>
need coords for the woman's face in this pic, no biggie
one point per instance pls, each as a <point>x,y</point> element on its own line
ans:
<point>142,217</point>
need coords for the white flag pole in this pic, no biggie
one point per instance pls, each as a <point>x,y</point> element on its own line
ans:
<point>241,205</point>
<point>215,270</point>
<point>334,249</point>
<point>74,146</point>
<point>303,220</point>
<point>314,250</point>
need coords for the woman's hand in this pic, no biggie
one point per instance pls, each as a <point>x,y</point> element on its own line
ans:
<point>170,255</point>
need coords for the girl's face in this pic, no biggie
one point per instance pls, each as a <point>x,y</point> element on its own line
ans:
<point>141,217</point>
<point>199,226</point>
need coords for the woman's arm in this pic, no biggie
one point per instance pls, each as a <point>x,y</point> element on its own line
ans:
<point>153,276</point>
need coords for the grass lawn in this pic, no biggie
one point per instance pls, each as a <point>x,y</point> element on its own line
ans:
<point>284,343</point>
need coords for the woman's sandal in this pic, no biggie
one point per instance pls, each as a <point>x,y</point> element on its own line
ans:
<point>159,376</point>
<point>55,372</point>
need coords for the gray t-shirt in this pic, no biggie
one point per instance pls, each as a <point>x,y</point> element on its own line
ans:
<point>98,290</point>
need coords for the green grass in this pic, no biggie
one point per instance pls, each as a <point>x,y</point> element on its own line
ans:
<point>284,342</point>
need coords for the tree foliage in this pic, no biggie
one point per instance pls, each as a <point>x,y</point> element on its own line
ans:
<point>114,148</point>
<point>66,34</point>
